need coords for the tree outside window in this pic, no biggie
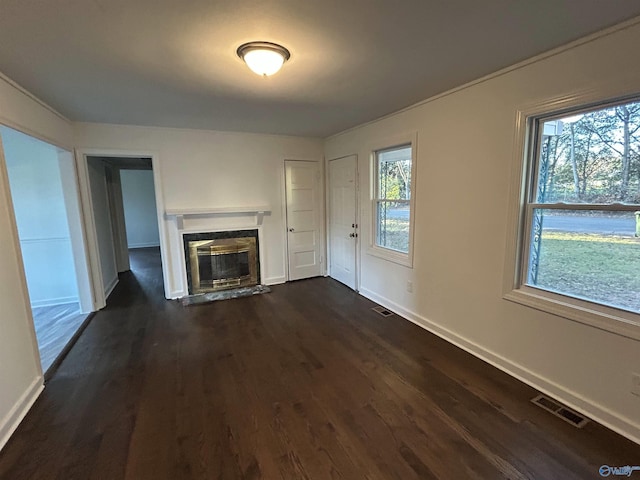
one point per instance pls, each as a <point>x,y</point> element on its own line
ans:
<point>583,210</point>
<point>393,198</point>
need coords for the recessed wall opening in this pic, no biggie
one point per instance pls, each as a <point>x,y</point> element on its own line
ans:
<point>125,217</point>
<point>221,260</point>
<point>45,197</point>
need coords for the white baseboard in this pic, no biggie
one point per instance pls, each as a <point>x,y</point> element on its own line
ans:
<point>274,280</point>
<point>54,301</point>
<point>109,288</point>
<point>618,423</point>
<point>11,421</point>
<point>144,245</point>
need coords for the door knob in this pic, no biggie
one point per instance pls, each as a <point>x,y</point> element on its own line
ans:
<point>352,235</point>
<point>291,229</point>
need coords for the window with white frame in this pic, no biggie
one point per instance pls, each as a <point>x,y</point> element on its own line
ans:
<point>581,235</point>
<point>392,199</point>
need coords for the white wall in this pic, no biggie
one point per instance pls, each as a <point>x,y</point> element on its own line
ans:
<point>200,169</point>
<point>41,215</point>
<point>465,155</point>
<point>20,370</point>
<point>140,214</point>
<point>102,217</point>
<point>116,205</point>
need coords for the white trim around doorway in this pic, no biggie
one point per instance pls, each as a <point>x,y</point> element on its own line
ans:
<point>98,287</point>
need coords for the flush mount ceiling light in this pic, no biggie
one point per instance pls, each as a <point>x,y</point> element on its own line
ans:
<point>264,58</point>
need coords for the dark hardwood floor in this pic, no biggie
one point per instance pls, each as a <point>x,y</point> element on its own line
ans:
<point>306,382</point>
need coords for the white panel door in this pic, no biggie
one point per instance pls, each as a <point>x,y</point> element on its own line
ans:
<point>303,219</point>
<point>343,225</point>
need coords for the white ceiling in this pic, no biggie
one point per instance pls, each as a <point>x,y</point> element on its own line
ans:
<point>173,63</point>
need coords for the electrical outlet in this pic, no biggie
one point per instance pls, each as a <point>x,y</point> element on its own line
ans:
<point>409,286</point>
<point>635,383</point>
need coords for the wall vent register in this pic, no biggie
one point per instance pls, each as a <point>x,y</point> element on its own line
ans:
<point>560,411</point>
<point>382,311</point>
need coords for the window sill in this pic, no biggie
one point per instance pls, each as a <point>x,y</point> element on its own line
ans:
<point>404,259</point>
<point>602,317</point>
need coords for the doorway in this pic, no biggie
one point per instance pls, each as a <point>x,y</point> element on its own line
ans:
<point>44,192</point>
<point>343,220</point>
<point>125,215</point>
<point>303,197</point>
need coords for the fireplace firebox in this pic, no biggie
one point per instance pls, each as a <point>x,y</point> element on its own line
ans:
<point>221,260</point>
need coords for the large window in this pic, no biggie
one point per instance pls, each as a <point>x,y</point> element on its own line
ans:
<point>582,210</point>
<point>392,198</point>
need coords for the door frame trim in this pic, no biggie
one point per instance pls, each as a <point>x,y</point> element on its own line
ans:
<point>81,156</point>
<point>22,279</point>
<point>357,217</point>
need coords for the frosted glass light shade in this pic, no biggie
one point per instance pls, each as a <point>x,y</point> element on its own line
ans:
<point>263,58</point>
<point>264,62</point>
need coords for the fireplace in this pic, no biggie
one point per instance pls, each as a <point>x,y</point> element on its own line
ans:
<point>221,260</point>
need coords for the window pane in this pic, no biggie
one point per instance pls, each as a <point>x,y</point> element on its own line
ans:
<point>394,174</point>
<point>393,225</point>
<point>593,255</point>
<point>592,157</point>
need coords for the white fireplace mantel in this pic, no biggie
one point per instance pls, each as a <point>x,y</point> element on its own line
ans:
<point>180,213</point>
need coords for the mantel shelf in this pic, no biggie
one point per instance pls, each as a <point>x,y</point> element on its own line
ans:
<point>174,212</point>
<point>258,211</point>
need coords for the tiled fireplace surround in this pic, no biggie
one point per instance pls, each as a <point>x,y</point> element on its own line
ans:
<point>202,223</point>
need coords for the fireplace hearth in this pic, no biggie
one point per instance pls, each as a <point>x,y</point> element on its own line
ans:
<point>221,260</point>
